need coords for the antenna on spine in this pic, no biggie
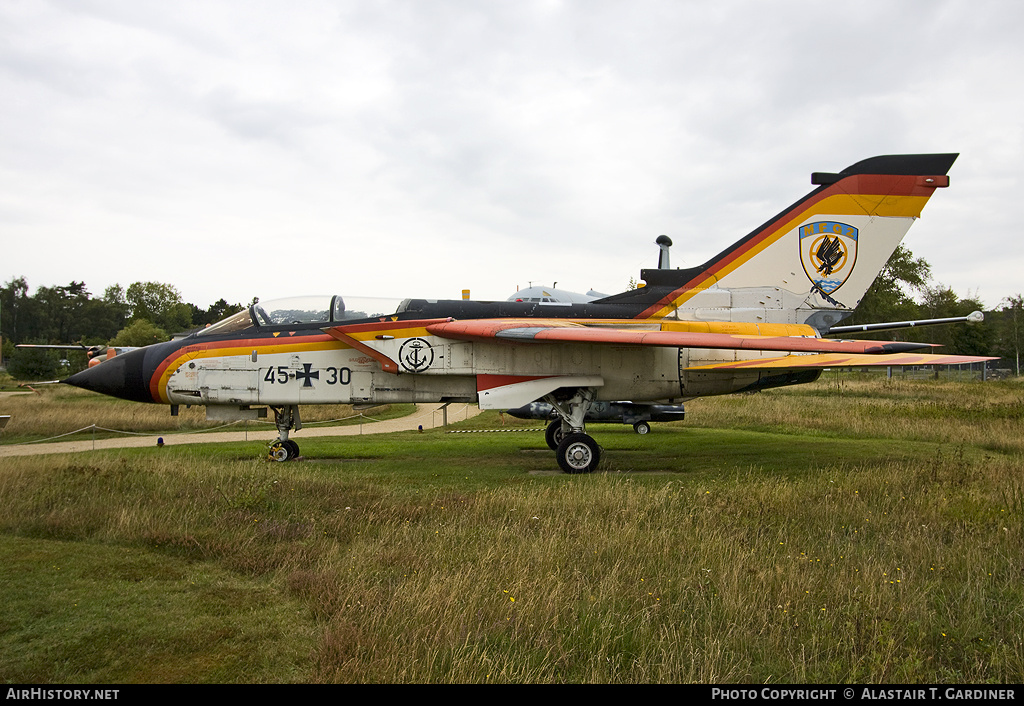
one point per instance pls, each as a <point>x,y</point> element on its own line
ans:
<point>664,242</point>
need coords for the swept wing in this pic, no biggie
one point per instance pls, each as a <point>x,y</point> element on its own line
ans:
<point>806,351</point>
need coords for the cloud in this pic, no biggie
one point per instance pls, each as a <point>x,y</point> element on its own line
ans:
<point>405,148</point>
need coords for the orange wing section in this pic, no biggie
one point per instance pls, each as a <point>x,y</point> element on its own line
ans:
<point>833,360</point>
<point>541,330</point>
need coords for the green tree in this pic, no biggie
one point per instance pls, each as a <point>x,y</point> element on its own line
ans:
<point>139,332</point>
<point>941,302</point>
<point>99,321</point>
<point>34,364</point>
<point>891,296</point>
<point>18,312</point>
<point>61,314</point>
<point>61,311</point>
<point>160,304</point>
<point>117,304</point>
<point>1011,330</point>
<point>220,309</point>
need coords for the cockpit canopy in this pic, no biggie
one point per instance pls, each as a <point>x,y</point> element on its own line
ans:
<point>304,310</point>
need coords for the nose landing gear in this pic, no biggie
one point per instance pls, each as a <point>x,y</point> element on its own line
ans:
<point>284,449</point>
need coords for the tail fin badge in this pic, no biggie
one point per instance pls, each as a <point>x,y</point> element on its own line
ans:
<point>828,252</point>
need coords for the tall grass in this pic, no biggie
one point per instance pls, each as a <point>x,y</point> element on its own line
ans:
<point>450,558</point>
<point>51,411</point>
<point>989,415</point>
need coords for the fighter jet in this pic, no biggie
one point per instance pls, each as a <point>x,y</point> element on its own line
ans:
<point>750,318</point>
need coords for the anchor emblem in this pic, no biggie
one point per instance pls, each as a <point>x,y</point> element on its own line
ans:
<point>416,355</point>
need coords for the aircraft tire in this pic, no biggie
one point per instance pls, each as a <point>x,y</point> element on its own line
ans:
<point>278,451</point>
<point>553,435</point>
<point>578,453</point>
<point>642,428</point>
<point>283,451</point>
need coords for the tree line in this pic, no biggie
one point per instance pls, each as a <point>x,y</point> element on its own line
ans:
<point>149,312</point>
<point>904,291</point>
<point>142,313</point>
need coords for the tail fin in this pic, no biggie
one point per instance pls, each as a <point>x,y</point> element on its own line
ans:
<point>813,262</point>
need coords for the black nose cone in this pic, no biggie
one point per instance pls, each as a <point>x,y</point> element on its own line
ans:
<point>121,376</point>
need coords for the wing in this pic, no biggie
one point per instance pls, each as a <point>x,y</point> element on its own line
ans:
<point>837,360</point>
<point>808,351</point>
<point>621,333</point>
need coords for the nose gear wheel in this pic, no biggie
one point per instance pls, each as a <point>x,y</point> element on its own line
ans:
<point>286,450</point>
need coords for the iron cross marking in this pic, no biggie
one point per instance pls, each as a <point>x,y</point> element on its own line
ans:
<point>306,375</point>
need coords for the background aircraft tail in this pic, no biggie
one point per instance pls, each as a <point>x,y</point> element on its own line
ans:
<point>813,262</point>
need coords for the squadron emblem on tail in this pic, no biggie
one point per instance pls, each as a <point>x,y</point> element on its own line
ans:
<point>828,252</point>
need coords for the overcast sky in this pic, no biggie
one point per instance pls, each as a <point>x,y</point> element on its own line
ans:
<point>420,147</point>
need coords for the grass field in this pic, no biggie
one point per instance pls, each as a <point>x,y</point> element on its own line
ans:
<point>847,531</point>
<point>50,411</point>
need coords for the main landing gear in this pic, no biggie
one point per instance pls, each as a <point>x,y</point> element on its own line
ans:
<point>574,449</point>
<point>285,418</point>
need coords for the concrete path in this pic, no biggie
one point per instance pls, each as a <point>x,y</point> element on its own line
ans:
<point>427,415</point>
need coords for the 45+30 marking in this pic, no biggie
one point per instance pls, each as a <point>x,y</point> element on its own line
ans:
<point>282,373</point>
